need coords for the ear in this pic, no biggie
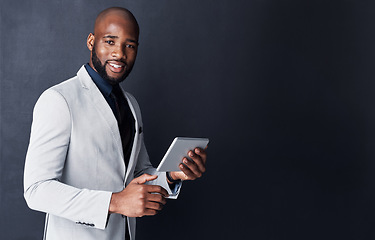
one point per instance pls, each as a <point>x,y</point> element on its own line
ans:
<point>90,41</point>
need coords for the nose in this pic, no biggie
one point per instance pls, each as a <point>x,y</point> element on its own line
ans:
<point>118,53</point>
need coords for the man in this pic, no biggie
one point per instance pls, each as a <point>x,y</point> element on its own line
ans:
<point>87,165</point>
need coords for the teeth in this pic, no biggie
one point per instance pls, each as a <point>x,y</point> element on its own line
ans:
<point>115,65</point>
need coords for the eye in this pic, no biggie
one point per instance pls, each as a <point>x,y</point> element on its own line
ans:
<point>130,46</point>
<point>110,42</point>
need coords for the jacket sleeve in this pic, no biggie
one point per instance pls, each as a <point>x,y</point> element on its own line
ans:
<point>44,166</point>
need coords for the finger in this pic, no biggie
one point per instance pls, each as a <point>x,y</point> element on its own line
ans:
<point>157,198</point>
<point>198,161</point>
<point>188,173</point>
<point>150,212</point>
<point>144,178</point>
<point>192,166</point>
<point>154,206</point>
<point>202,153</point>
<point>157,189</point>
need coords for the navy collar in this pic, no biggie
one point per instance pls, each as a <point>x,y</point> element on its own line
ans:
<point>104,87</point>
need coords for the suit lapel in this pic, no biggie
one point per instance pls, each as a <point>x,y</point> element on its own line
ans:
<point>102,107</point>
<point>136,135</point>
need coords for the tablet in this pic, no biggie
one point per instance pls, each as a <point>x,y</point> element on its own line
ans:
<point>178,150</point>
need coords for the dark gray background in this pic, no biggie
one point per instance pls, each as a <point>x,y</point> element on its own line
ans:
<point>283,89</point>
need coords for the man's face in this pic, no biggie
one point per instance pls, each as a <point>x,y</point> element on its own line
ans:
<point>113,48</point>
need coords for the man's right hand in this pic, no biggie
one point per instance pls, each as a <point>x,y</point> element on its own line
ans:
<point>139,199</point>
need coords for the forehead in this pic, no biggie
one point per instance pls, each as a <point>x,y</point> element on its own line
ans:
<point>117,26</point>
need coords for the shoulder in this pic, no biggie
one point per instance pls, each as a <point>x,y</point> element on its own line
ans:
<point>57,93</point>
<point>67,87</point>
<point>74,86</point>
<point>62,96</point>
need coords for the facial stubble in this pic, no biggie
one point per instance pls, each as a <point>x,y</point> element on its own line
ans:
<point>100,68</point>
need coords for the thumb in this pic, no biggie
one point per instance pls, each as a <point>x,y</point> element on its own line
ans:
<point>144,178</point>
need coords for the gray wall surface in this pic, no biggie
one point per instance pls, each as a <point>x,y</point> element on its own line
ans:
<point>283,89</point>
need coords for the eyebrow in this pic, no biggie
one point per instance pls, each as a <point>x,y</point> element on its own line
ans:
<point>133,41</point>
<point>113,37</point>
<point>110,36</point>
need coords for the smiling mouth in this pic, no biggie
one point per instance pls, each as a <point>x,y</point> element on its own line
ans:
<point>116,68</point>
<point>115,65</point>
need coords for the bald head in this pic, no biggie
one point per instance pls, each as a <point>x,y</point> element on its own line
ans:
<point>114,44</point>
<point>115,12</point>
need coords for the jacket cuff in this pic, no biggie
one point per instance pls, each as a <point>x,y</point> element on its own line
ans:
<point>103,210</point>
<point>99,216</point>
<point>173,193</point>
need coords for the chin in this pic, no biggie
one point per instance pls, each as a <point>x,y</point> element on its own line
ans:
<point>116,80</point>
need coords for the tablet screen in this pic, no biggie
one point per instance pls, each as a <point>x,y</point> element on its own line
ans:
<point>178,150</point>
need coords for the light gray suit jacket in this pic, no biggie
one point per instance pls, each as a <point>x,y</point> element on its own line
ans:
<point>75,161</point>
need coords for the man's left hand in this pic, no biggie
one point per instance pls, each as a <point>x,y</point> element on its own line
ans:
<point>191,169</point>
